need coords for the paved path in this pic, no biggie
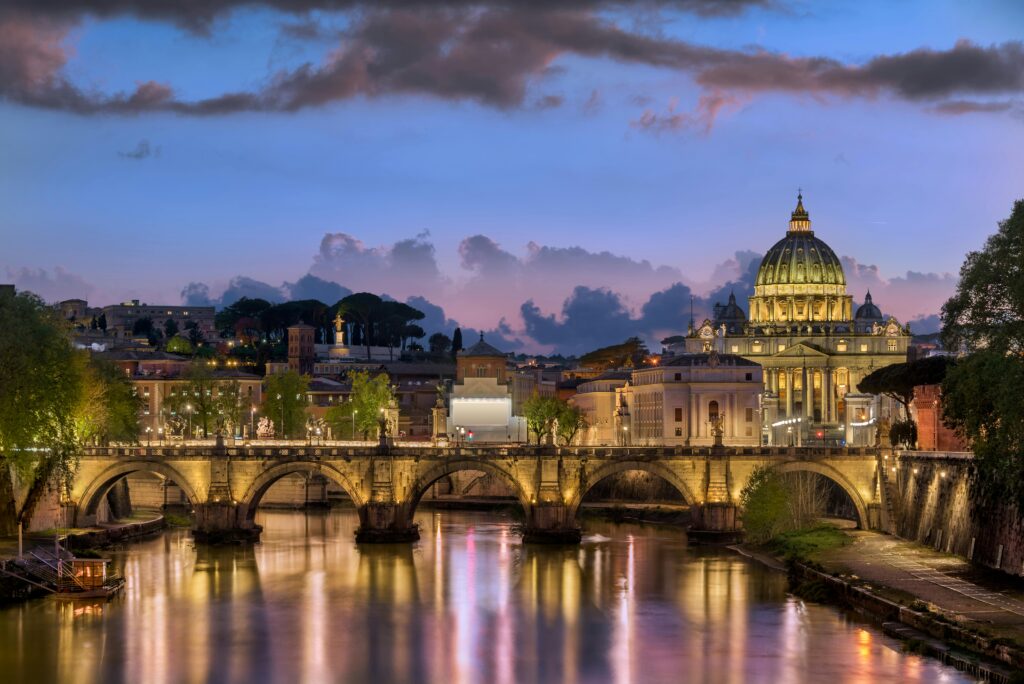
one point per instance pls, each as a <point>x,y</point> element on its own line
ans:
<point>937,578</point>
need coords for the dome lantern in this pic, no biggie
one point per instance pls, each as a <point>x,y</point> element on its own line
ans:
<point>800,220</point>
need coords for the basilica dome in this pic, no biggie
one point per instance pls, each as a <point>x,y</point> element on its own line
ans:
<point>800,257</point>
<point>800,279</point>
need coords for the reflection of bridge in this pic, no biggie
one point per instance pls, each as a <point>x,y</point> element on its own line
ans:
<point>226,483</point>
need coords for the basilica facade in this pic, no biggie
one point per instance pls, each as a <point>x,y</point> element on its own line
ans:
<point>813,347</point>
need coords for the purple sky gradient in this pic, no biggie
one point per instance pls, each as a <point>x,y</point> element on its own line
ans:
<point>492,157</point>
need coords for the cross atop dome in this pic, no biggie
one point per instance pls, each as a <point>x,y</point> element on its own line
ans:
<point>800,220</point>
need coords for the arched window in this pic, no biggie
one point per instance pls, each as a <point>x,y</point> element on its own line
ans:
<point>712,410</point>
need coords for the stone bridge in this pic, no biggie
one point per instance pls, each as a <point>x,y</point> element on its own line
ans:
<point>225,483</point>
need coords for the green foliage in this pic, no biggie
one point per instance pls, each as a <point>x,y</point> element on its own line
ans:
<point>195,335</point>
<point>541,412</point>
<point>110,407</point>
<point>231,406</point>
<point>369,395</point>
<point>245,308</point>
<point>570,421</point>
<point>981,401</point>
<point>41,381</point>
<point>101,323</point>
<point>143,326</point>
<point>981,394</point>
<point>903,433</point>
<point>898,380</point>
<point>285,403</point>
<point>456,342</point>
<point>987,310</point>
<point>439,344</point>
<point>765,505</point>
<point>170,328</point>
<point>631,353</point>
<point>179,345</point>
<point>805,544</point>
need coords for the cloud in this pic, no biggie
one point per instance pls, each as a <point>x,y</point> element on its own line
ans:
<point>701,119</point>
<point>311,287</point>
<point>52,286</point>
<point>197,294</point>
<point>490,53</point>
<point>243,286</point>
<point>142,151</point>
<point>960,107</point>
<point>908,296</point>
<point>405,268</point>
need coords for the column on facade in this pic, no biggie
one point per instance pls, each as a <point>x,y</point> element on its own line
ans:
<point>806,390</point>
<point>789,392</point>
<point>821,396</point>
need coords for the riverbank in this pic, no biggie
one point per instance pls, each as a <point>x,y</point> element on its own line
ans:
<point>937,604</point>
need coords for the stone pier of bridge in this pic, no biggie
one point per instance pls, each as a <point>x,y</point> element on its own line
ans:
<point>225,483</point>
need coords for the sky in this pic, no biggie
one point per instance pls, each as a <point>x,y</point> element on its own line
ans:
<point>561,178</point>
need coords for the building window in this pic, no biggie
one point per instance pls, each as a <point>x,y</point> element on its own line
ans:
<point>749,416</point>
<point>679,415</point>
<point>782,347</point>
<point>749,431</point>
<point>892,345</point>
<point>735,349</point>
<point>679,432</point>
<point>841,346</point>
<point>863,347</point>
<point>713,410</point>
<point>679,376</point>
<point>757,347</point>
<point>749,376</point>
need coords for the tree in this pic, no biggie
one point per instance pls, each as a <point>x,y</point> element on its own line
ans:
<point>170,328</point>
<point>765,505</point>
<point>633,352</point>
<point>231,406</point>
<point>179,345</point>
<point>102,322</point>
<point>285,403</point>
<point>439,344</point>
<point>195,335</point>
<point>570,421</point>
<point>200,404</point>
<point>41,385</point>
<point>903,433</point>
<point>143,326</point>
<point>897,381</point>
<point>541,412</point>
<point>981,393</point>
<point>369,396</point>
<point>363,309</point>
<point>456,342</point>
<point>251,308</point>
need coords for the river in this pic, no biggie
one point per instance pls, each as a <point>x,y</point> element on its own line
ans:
<point>468,603</point>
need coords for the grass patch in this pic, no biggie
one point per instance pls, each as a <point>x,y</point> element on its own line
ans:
<point>805,545</point>
<point>177,520</point>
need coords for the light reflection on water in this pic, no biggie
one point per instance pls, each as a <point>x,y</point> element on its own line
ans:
<point>468,603</point>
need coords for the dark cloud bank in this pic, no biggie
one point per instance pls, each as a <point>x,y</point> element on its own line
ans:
<point>491,52</point>
<point>554,298</point>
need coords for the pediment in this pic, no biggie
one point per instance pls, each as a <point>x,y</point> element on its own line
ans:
<point>802,350</point>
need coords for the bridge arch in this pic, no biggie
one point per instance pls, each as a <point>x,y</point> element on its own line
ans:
<point>447,467</point>
<point>615,467</point>
<point>252,497</point>
<point>101,484</point>
<point>836,476</point>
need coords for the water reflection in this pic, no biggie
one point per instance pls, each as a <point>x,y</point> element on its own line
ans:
<point>468,603</point>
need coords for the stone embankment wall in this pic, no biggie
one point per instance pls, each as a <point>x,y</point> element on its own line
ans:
<point>932,505</point>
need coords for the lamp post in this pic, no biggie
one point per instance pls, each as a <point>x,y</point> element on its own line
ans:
<point>188,409</point>
<point>354,412</point>
<point>282,415</point>
<point>149,435</point>
<point>625,435</point>
<point>160,435</point>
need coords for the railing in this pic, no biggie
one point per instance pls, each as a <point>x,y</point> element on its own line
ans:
<point>938,455</point>
<point>279,448</point>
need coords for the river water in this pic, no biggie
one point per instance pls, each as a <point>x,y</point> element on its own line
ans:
<point>468,603</point>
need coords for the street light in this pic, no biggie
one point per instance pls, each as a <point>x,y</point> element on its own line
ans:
<point>625,435</point>
<point>354,412</point>
<point>149,435</point>
<point>188,408</point>
<point>282,415</point>
<point>252,423</point>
